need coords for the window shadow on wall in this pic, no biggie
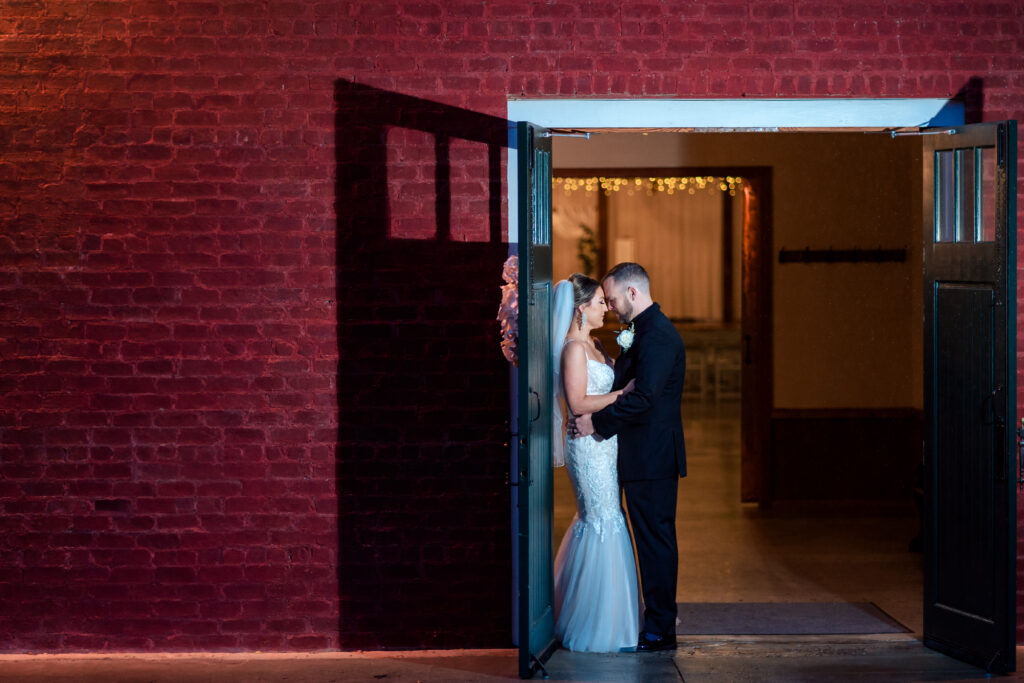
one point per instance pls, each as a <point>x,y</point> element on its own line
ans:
<point>423,500</point>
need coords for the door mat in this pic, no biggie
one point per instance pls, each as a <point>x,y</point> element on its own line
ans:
<point>783,618</point>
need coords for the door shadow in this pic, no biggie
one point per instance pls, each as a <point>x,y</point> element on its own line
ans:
<point>972,94</point>
<point>422,386</point>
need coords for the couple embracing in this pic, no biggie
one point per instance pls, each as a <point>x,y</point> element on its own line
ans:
<point>622,426</point>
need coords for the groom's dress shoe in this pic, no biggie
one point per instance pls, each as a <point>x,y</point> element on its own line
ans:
<point>649,644</point>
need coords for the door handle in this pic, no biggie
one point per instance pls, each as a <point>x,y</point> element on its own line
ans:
<point>535,395</point>
<point>999,422</point>
<point>990,401</point>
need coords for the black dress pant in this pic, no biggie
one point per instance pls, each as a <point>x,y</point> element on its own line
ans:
<point>652,512</point>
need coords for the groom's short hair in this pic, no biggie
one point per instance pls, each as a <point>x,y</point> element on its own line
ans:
<point>629,274</point>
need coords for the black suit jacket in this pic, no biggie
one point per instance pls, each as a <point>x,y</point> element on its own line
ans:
<point>648,420</point>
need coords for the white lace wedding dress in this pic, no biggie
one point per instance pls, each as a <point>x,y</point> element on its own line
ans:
<point>597,605</point>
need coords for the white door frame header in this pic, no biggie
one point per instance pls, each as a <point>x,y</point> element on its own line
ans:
<point>742,114</point>
<point>750,115</point>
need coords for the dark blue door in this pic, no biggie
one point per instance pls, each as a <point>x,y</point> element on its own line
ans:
<point>970,392</point>
<point>536,618</point>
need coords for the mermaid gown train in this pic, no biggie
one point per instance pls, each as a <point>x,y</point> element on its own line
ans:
<point>597,604</point>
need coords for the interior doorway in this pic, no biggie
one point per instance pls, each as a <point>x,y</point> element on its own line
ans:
<point>704,235</point>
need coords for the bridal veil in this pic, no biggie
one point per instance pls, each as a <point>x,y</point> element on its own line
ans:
<point>561,318</point>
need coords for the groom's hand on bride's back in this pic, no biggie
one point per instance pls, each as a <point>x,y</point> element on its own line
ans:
<point>580,426</point>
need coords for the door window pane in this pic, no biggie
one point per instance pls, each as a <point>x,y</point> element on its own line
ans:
<point>945,216</point>
<point>965,196</point>
<point>541,197</point>
<point>986,157</point>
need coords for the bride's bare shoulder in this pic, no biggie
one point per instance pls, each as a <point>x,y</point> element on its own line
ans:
<point>573,350</point>
<point>573,346</point>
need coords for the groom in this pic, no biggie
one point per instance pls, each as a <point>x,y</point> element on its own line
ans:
<point>652,455</point>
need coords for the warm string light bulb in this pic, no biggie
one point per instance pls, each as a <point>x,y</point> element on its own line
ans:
<point>667,184</point>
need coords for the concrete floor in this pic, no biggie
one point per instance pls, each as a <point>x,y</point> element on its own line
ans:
<point>699,660</point>
<point>729,552</point>
<point>808,552</point>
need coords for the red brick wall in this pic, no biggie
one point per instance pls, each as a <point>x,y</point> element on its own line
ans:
<point>250,390</point>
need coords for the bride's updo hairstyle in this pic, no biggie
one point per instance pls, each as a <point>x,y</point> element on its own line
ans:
<point>583,289</point>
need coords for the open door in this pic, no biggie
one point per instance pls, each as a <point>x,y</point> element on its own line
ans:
<point>970,392</point>
<point>536,618</point>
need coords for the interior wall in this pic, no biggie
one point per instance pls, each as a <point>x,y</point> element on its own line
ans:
<point>676,234</point>
<point>844,335</point>
<point>574,215</point>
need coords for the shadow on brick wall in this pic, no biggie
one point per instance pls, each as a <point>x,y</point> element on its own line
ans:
<point>423,498</point>
<point>972,94</point>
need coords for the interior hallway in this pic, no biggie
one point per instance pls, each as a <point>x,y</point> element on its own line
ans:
<point>796,552</point>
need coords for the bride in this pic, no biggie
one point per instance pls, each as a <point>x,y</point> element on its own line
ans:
<point>597,606</point>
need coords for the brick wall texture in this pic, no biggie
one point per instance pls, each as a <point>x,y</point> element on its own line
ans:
<point>250,389</point>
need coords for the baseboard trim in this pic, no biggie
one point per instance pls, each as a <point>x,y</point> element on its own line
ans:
<point>845,453</point>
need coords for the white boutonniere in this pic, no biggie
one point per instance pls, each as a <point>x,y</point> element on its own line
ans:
<point>625,337</point>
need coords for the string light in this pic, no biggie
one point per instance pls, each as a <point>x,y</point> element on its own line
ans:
<point>667,184</point>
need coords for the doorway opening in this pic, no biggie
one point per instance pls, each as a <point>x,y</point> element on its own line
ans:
<point>826,511</point>
<point>966,446</point>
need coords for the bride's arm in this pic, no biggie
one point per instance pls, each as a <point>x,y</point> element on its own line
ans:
<point>574,380</point>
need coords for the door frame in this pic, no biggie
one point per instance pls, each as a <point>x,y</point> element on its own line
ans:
<point>714,115</point>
